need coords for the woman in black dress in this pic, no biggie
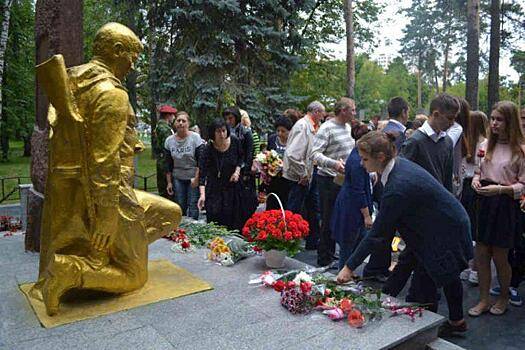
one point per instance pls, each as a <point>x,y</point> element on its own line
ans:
<point>277,142</point>
<point>220,184</point>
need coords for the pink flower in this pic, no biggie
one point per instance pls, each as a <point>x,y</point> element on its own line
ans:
<point>334,314</point>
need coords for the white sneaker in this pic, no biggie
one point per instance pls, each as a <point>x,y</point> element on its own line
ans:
<point>473,277</point>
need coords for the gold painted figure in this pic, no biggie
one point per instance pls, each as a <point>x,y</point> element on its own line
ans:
<point>96,228</point>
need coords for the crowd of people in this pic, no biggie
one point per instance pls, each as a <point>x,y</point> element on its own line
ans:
<point>450,184</point>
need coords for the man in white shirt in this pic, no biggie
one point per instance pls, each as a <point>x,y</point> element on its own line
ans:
<point>332,145</point>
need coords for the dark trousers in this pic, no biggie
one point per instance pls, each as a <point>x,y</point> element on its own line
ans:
<point>399,277</point>
<point>423,288</point>
<point>304,200</point>
<point>328,191</point>
<point>313,213</point>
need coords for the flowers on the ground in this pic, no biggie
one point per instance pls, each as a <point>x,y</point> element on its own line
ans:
<point>182,242</point>
<point>228,250</point>
<point>269,164</point>
<point>270,230</point>
<point>11,224</point>
<point>302,292</point>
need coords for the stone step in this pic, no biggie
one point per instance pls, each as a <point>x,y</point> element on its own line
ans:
<point>442,344</point>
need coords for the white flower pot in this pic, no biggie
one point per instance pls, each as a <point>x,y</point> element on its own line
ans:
<point>275,258</point>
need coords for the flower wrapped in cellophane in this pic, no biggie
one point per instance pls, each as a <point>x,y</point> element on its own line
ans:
<point>269,164</point>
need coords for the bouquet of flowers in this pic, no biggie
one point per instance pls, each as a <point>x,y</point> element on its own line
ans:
<point>269,164</point>
<point>182,241</point>
<point>302,292</point>
<point>228,250</point>
<point>272,229</point>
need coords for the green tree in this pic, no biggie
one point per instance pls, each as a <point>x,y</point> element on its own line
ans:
<point>19,81</point>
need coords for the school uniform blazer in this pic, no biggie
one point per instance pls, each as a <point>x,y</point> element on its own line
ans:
<point>398,131</point>
<point>429,218</point>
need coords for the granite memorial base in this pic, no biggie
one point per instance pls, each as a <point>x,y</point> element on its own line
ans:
<point>234,315</point>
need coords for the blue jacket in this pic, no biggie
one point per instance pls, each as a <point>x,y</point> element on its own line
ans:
<point>396,129</point>
<point>429,218</point>
<point>354,195</point>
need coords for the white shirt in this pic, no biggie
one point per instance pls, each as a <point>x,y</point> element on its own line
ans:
<point>395,121</point>
<point>386,172</point>
<point>427,130</point>
<point>455,132</point>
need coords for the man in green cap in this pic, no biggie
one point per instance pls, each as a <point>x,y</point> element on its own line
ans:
<point>162,131</point>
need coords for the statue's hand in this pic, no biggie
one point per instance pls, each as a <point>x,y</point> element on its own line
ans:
<point>106,225</point>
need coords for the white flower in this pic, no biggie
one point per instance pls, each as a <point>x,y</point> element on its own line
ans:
<point>261,157</point>
<point>302,277</point>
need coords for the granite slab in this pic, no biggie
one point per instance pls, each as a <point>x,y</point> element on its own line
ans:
<point>235,315</point>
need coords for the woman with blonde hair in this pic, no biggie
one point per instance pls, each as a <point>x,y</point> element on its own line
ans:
<point>500,182</point>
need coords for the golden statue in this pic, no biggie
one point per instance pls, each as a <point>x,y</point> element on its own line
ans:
<point>96,228</point>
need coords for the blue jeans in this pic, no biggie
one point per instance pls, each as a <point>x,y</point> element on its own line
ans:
<point>187,197</point>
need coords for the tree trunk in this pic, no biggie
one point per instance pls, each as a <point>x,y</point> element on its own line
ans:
<point>27,146</point>
<point>131,9</point>
<point>152,83</point>
<point>3,44</point>
<point>472,74</point>
<point>445,66</point>
<point>495,43</point>
<point>436,79</point>
<point>419,88</point>
<point>350,62</point>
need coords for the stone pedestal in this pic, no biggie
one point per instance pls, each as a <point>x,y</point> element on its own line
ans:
<point>35,204</point>
<point>24,194</point>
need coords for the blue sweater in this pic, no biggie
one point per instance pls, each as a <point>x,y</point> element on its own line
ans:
<point>429,218</point>
<point>397,131</point>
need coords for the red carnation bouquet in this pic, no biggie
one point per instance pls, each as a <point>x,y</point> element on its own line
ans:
<point>273,230</point>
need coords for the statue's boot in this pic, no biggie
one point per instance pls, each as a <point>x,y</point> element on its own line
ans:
<point>62,275</point>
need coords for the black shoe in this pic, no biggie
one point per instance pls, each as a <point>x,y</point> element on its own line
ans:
<point>449,330</point>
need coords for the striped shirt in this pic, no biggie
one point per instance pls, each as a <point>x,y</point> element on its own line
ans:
<point>332,142</point>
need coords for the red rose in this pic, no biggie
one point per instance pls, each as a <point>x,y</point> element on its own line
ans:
<point>185,245</point>
<point>279,286</point>
<point>356,318</point>
<point>262,236</point>
<point>290,285</point>
<point>481,153</point>
<point>306,287</point>
<point>288,236</point>
<point>257,249</point>
<point>327,292</point>
<point>346,305</point>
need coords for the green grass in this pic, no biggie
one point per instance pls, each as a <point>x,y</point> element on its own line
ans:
<point>17,166</point>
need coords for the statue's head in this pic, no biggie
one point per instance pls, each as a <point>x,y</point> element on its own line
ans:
<point>118,47</point>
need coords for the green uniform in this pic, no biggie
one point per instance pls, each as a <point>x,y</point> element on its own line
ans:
<point>162,131</point>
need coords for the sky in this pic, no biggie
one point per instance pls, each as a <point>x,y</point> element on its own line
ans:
<point>390,32</point>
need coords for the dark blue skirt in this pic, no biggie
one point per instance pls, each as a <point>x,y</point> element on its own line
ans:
<point>498,220</point>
